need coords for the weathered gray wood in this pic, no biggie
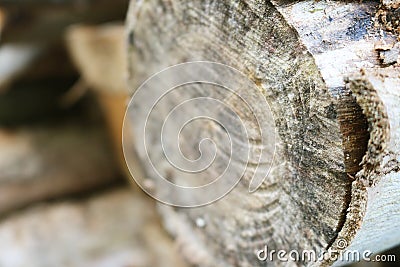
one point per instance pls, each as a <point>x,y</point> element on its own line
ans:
<point>300,55</point>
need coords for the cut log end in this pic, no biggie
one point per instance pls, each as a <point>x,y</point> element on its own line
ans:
<point>299,56</point>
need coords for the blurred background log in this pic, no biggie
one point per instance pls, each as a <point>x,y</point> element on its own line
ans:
<point>99,52</point>
<point>63,199</point>
<point>113,228</point>
<point>52,160</point>
<point>45,20</point>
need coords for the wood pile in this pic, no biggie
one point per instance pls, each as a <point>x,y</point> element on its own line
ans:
<point>329,72</point>
<point>65,199</point>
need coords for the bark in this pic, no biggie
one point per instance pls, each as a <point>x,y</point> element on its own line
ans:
<point>335,103</point>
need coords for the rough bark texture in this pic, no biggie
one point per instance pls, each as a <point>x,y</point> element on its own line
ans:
<point>373,216</point>
<point>330,159</point>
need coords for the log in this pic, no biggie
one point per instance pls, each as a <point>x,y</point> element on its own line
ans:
<point>44,162</point>
<point>334,183</point>
<point>99,54</point>
<point>45,21</point>
<point>113,228</point>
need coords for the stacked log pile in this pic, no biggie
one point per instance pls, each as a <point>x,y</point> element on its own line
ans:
<point>64,195</point>
<point>329,71</point>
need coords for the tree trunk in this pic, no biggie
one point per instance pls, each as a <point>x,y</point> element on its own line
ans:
<point>334,183</point>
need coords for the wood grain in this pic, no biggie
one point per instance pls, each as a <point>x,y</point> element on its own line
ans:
<point>300,55</point>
